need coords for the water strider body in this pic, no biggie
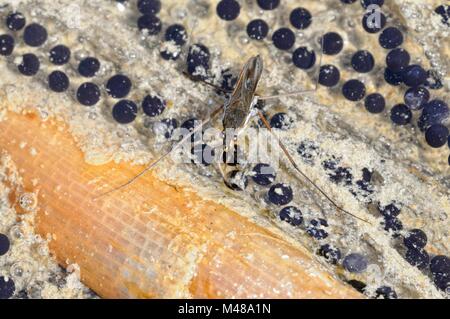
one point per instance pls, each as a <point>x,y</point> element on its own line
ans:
<point>240,107</point>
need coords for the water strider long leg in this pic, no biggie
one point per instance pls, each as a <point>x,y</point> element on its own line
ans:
<point>294,164</point>
<point>158,160</point>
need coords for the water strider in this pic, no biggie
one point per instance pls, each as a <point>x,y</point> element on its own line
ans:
<point>238,111</point>
<point>313,142</point>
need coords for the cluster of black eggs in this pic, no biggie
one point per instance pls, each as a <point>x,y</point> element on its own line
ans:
<point>281,194</point>
<point>416,98</point>
<point>398,68</point>
<point>415,241</point>
<point>175,35</point>
<point>284,39</point>
<point>88,93</point>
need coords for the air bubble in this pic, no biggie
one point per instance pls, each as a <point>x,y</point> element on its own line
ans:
<point>28,201</point>
<point>179,13</point>
<point>16,232</point>
<point>21,270</point>
<point>244,40</point>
